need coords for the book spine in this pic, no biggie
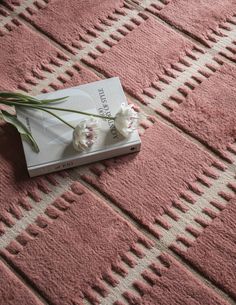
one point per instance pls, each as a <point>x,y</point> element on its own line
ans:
<point>49,168</point>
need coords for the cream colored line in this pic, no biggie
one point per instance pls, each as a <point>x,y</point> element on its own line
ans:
<point>170,89</point>
<point>126,283</point>
<point>207,58</point>
<point>169,236</point>
<point>38,208</point>
<point>17,10</point>
<point>88,47</point>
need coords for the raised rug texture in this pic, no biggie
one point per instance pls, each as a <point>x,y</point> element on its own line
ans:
<point>139,51</point>
<point>152,228</point>
<point>81,221</point>
<point>214,252</point>
<point>171,284</point>
<point>162,182</point>
<point>209,112</point>
<point>199,19</point>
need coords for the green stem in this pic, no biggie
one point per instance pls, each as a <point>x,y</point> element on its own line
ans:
<point>58,109</point>
<point>59,118</point>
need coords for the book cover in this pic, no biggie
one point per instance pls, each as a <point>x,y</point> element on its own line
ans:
<point>54,138</point>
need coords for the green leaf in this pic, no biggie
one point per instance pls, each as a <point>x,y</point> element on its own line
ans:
<point>10,97</point>
<point>22,129</point>
<point>17,97</point>
<point>54,100</point>
<point>10,94</point>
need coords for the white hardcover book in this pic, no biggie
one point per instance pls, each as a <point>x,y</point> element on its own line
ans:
<point>54,138</point>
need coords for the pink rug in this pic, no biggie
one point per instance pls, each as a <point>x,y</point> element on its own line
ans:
<point>157,227</point>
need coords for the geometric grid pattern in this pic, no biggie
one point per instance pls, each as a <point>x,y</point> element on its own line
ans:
<point>157,227</point>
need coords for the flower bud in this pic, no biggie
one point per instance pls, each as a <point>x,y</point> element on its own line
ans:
<point>85,134</point>
<point>126,120</point>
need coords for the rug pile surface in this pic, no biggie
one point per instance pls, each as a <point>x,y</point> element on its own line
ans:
<point>153,228</point>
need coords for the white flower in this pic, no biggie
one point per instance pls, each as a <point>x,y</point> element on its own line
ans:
<point>126,120</point>
<point>85,134</point>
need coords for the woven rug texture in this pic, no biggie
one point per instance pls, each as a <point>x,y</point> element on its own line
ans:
<point>153,228</point>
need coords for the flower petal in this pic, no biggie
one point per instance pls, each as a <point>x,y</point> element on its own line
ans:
<point>126,120</point>
<point>85,134</point>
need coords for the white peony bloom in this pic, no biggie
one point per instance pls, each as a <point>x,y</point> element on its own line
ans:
<point>126,120</point>
<point>85,134</point>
